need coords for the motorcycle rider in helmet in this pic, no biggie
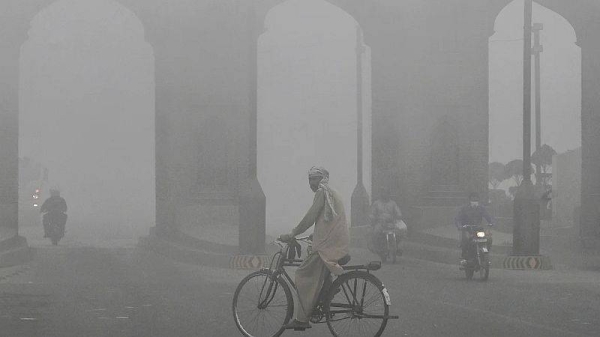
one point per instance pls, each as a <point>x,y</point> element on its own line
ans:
<point>54,209</point>
<point>472,214</point>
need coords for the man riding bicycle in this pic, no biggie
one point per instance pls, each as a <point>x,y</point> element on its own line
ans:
<point>331,239</point>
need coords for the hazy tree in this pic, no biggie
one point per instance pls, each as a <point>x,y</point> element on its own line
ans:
<point>496,174</point>
<point>543,158</point>
<point>514,170</point>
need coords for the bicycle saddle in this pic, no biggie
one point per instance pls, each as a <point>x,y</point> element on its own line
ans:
<point>344,260</point>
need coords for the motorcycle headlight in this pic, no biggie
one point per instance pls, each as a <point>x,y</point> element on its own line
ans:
<point>480,234</point>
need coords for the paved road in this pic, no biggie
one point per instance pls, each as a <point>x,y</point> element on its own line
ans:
<point>76,290</point>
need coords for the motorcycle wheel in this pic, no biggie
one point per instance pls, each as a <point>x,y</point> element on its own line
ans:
<point>484,269</point>
<point>469,273</point>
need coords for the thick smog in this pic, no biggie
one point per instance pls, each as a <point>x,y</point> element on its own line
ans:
<point>283,167</point>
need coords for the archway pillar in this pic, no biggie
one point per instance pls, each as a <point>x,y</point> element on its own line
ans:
<point>589,42</point>
<point>252,200</point>
<point>13,248</point>
<point>13,30</point>
<point>9,131</point>
<point>206,121</point>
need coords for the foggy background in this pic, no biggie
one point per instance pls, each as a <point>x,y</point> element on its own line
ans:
<point>307,106</point>
<point>87,106</point>
<point>560,83</point>
<point>87,114</point>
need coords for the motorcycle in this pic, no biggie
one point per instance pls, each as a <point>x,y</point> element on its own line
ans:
<point>389,242</point>
<point>477,253</point>
<point>55,222</point>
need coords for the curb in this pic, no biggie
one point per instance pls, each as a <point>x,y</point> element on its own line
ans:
<point>446,252</point>
<point>15,251</point>
<point>249,261</point>
<point>21,270</point>
<point>179,252</point>
<point>539,262</point>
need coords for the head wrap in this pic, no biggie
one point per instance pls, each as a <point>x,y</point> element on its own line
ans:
<point>315,171</point>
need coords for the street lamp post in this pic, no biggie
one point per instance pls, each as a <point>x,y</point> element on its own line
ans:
<point>360,198</point>
<point>526,209</point>
<point>537,50</point>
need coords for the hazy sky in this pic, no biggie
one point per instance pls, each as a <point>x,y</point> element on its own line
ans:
<point>307,106</point>
<point>561,83</point>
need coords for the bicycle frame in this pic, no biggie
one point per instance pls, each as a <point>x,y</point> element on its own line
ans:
<point>281,261</point>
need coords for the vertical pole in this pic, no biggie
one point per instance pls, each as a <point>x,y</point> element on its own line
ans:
<point>359,105</point>
<point>527,91</point>
<point>360,198</point>
<point>526,209</point>
<point>537,50</point>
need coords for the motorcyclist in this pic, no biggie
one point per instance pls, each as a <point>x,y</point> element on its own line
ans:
<point>384,215</point>
<point>54,209</point>
<point>472,215</point>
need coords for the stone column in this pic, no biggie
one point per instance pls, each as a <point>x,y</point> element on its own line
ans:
<point>252,200</point>
<point>360,197</point>
<point>589,41</point>
<point>10,43</point>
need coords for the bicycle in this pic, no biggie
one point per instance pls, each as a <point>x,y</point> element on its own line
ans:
<point>356,303</point>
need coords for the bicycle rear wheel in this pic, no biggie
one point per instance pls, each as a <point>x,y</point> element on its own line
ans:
<point>262,304</point>
<point>358,305</point>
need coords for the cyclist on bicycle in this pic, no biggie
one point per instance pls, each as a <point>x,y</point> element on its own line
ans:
<point>331,239</point>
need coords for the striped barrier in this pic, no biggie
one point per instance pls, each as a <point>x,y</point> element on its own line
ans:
<point>527,262</point>
<point>249,261</point>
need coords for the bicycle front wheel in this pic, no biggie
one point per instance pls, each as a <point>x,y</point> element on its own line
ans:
<point>358,305</point>
<point>262,304</point>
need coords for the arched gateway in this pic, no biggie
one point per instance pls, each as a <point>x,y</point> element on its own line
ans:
<point>429,62</point>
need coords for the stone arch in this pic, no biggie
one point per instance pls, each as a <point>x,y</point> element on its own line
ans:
<point>561,114</point>
<point>583,19</point>
<point>101,112</point>
<point>317,117</point>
